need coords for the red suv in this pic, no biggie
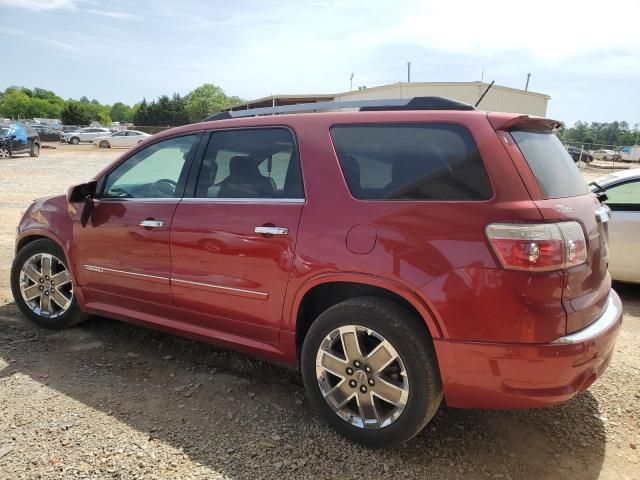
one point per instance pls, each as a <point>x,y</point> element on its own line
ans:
<point>401,254</point>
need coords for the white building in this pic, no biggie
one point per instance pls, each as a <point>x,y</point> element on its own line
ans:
<point>498,99</point>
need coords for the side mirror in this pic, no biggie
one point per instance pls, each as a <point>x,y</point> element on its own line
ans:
<point>81,193</point>
<point>12,137</point>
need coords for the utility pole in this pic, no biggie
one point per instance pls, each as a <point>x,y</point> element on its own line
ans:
<point>408,72</point>
<point>526,87</point>
<point>351,80</point>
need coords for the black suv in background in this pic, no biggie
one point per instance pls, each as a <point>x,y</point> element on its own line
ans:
<point>18,138</point>
<point>578,154</point>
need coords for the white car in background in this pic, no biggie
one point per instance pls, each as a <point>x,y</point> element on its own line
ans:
<point>83,135</point>
<point>623,198</point>
<point>124,138</point>
<point>604,154</point>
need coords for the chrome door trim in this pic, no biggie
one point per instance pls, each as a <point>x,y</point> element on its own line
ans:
<point>96,269</point>
<point>265,201</point>
<point>229,290</point>
<point>137,200</point>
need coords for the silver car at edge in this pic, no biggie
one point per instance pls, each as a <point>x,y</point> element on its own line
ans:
<point>623,198</point>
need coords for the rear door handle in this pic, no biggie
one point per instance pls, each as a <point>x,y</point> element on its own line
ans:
<point>265,230</point>
<point>148,223</point>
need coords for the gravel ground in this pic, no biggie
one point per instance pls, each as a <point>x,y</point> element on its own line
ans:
<point>110,400</point>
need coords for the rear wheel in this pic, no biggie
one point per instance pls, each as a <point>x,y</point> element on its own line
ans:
<point>74,140</point>
<point>35,150</point>
<point>370,371</point>
<point>42,286</point>
<point>104,144</point>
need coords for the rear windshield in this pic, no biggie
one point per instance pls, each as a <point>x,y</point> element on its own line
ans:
<point>552,165</point>
<point>411,162</point>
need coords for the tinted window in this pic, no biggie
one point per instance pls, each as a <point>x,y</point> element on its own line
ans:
<point>624,194</point>
<point>256,163</point>
<point>411,162</point>
<point>554,169</point>
<point>152,172</point>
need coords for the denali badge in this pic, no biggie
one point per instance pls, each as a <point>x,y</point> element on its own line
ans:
<point>91,268</point>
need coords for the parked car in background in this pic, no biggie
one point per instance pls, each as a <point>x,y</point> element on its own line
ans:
<point>605,154</point>
<point>16,138</point>
<point>404,256</point>
<point>579,154</point>
<point>623,198</point>
<point>83,135</point>
<point>47,134</point>
<point>124,138</point>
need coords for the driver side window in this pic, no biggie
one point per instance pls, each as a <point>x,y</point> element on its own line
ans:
<point>152,172</point>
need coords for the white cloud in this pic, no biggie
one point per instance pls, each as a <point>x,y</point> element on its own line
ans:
<point>115,15</point>
<point>41,5</point>
<point>50,41</point>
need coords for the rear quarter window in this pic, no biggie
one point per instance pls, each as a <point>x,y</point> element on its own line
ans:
<point>411,162</point>
<point>551,164</point>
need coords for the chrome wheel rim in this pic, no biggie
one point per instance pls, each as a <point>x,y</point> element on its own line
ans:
<point>45,285</point>
<point>362,377</point>
<point>36,150</point>
<point>4,152</point>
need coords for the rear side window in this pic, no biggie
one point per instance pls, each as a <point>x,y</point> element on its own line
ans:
<point>253,163</point>
<point>551,164</point>
<point>411,162</point>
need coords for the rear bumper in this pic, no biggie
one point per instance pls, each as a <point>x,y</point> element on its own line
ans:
<point>498,375</point>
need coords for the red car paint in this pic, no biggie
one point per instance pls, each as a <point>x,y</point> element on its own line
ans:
<point>495,331</point>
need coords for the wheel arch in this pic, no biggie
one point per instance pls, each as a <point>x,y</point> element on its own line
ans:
<point>322,293</point>
<point>30,236</point>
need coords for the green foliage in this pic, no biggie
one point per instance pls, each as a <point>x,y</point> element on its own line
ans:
<point>74,114</point>
<point>121,112</point>
<point>206,100</point>
<point>20,102</point>
<point>594,134</point>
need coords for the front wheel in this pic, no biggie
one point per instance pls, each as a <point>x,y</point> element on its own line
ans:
<point>370,371</point>
<point>42,286</point>
<point>35,150</point>
<point>104,144</point>
<point>74,140</point>
<point>4,152</point>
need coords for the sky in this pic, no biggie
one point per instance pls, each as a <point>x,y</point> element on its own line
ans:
<point>584,54</point>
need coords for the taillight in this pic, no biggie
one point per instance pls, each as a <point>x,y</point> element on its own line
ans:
<point>539,247</point>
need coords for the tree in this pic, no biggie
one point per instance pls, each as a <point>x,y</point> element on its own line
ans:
<point>15,104</point>
<point>105,119</point>
<point>73,114</point>
<point>206,100</point>
<point>121,112</point>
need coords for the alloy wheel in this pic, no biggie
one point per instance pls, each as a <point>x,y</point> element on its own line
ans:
<point>45,285</point>
<point>362,377</point>
<point>4,152</point>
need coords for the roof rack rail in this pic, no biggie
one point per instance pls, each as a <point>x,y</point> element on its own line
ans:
<point>415,103</point>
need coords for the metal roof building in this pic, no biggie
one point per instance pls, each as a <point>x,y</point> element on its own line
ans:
<point>498,99</point>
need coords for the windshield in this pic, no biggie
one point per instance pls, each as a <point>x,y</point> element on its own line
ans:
<point>4,131</point>
<point>551,164</point>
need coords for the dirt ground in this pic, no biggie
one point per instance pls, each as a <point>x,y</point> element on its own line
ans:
<point>109,400</point>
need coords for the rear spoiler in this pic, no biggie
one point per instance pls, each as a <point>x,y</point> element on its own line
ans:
<point>501,121</point>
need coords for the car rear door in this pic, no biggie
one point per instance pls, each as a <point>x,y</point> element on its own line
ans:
<point>624,230</point>
<point>233,242</point>
<point>122,250</point>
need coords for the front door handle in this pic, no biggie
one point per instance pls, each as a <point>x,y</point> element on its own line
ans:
<point>266,230</point>
<point>149,223</point>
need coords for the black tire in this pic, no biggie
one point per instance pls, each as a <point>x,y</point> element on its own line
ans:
<point>104,144</point>
<point>408,335</point>
<point>34,151</point>
<point>74,140</point>
<point>73,316</point>
<point>5,152</point>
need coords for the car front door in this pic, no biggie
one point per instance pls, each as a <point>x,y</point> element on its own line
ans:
<point>118,139</point>
<point>122,249</point>
<point>233,242</point>
<point>624,230</point>
<point>20,140</point>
